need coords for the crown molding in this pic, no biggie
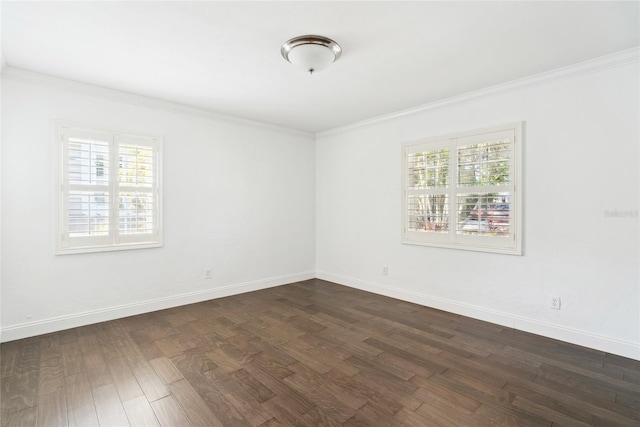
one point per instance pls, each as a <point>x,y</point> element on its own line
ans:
<point>613,60</point>
<point>31,77</point>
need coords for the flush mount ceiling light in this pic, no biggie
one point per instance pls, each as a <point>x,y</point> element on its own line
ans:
<point>312,53</point>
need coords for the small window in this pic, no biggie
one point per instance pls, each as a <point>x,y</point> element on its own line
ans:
<point>463,191</point>
<point>109,190</point>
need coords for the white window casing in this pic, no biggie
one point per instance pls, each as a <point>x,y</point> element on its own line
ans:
<point>109,190</point>
<point>464,191</point>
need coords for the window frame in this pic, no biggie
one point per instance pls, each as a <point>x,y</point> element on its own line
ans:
<point>511,244</point>
<point>113,240</point>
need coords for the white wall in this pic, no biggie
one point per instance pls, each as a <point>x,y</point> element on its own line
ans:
<point>580,159</point>
<point>238,199</point>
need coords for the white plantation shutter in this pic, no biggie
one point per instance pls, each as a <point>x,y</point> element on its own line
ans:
<point>485,190</point>
<point>109,187</point>
<point>461,191</point>
<point>137,189</point>
<point>427,192</point>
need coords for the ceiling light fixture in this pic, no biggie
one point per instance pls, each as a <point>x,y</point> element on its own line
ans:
<point>312,53</point>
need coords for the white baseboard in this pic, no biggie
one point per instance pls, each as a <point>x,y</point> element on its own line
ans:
<point>563,333</point>
<point>54,324</point>
<point>575,336</point>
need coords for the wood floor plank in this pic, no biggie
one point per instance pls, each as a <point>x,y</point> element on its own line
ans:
<point>9,356</point>
<point>195,409</point>
<point>569,404</point>
<point>293,399</point>
<point>151,384</point>
<point>174,345</point>
<point>325,382</point>
<point>430,392</point>
<point>24,418</point>
<point>375,397</point>
<point>285,415</point>
<point>19,392</point>
<point>274,367</point>
<point>215,399</point>
<point>418,358</point>
<point>51,375</point>
<point>108,406</point>
<point>166,370</point>
<point>28,359</point>
<point>150,350</point>
<point>319,417</point>
<point>406,417</point>
<point>82,417</point>
<point>169,413</point>
<point>243,400</point>
<point>72,358</point>
<point>404,368</point>
<point>490,415</point>
<point>389,388</point>
<point>140,414</point>
<point>52,409</point>
<point>221,359</point>
<point>545,412</point>
<point>547,401</point>
<point>321,397</point>
<point>124,379</point>
<point>78,391</point>
<point>395,380</point>
<point>19,388</point>
<point>501,400</point>
<point>369,415</point>
<point>441,413</point>
<point>308,354</point>
<point>97,370</point>
<point>328,353</point>
<point>303,355</point>
<point>267,350</point>
<point>255,388</point>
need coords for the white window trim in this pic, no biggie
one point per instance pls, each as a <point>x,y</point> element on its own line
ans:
<point>451,239</point>
<point>112,242</point>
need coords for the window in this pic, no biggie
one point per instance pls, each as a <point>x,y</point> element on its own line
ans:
<point>109,190</point>
<point>463,191</point>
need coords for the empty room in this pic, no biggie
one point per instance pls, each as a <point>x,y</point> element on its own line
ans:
<point>300,213</point>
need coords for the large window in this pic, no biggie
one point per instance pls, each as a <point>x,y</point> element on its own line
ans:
<point>464,191</point>
<point>109,190</point>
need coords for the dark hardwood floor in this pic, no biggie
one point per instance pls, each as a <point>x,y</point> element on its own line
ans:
<point>311,354</point>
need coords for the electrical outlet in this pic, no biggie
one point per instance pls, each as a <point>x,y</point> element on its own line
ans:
<point>385,270</point>
<point>554,303</point>
<point>208,274</point>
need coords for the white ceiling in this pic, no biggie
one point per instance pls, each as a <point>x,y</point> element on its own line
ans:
<point>225,56</point>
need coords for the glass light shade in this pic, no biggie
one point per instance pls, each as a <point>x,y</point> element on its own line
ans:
<point>311,57</point>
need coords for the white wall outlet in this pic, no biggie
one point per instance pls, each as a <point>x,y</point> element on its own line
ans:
<point>554,303</point>
<point>385,270</point>
<point>208,274</point>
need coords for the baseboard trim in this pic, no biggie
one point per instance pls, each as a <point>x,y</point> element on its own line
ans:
<point>30,329</point>
<point>563,333</point>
